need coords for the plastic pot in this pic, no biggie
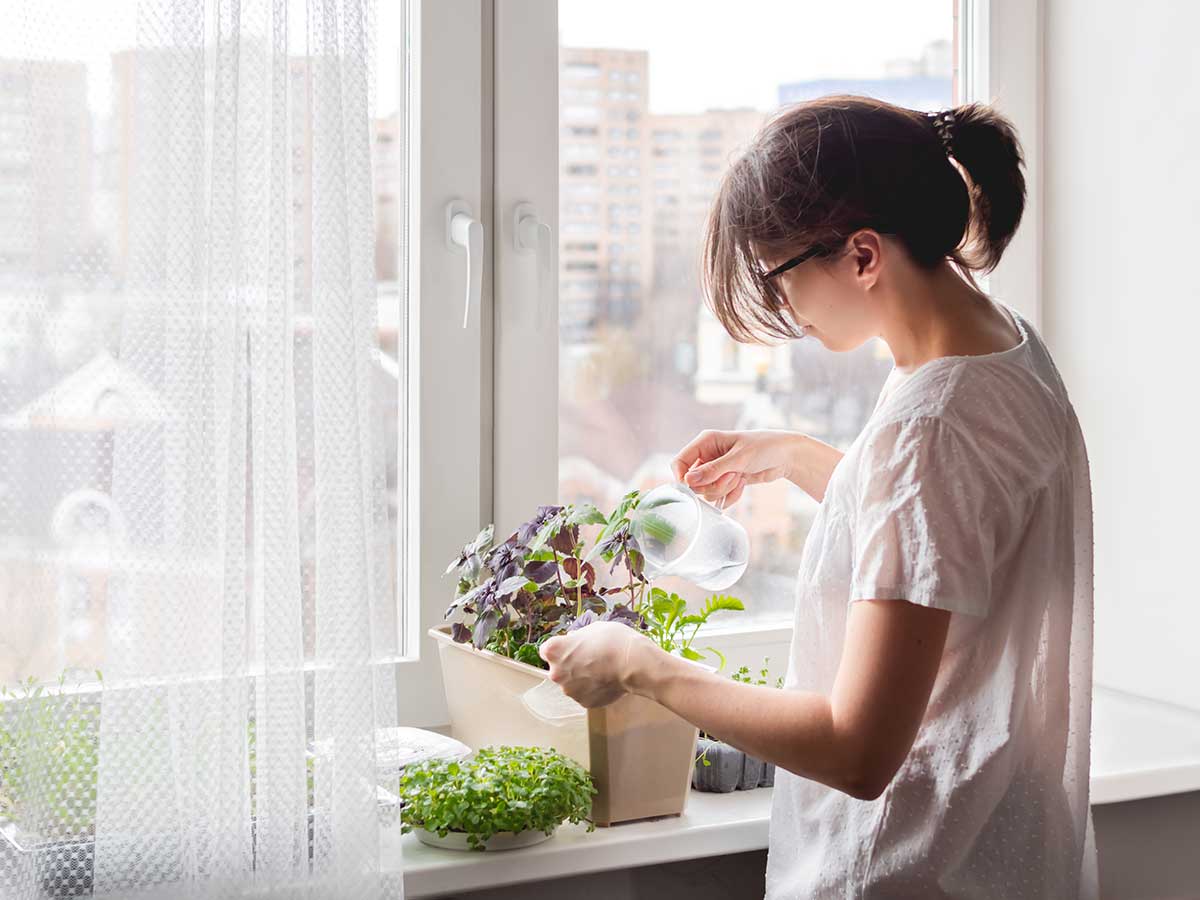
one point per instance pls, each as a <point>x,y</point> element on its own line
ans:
<point>729,769</point>
<point>723,773</point>
<point>753,769</point>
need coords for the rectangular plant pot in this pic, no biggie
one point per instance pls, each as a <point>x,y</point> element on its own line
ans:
<point>638,752</point>
<point>60,869</point>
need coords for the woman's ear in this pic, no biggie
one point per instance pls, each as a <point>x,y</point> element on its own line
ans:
<point>866,251</point>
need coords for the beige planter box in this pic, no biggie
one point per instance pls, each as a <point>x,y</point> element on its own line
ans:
<point>639,753</point>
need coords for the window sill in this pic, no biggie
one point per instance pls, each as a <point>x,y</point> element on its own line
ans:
<point>711,825</point>
<point>1140,749</point>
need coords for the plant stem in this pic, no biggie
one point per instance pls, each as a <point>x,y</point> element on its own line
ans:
<point>629,569</point>
<point>561,587</point>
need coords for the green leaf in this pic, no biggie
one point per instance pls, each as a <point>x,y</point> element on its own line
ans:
<point>720,656</point>
<point>720,602</point>
<point>689,653</point>
<point>666,606</point>
<point>657,528</point>
<point>585,514</point>
<point>657,502</point>
<point>552,526</point>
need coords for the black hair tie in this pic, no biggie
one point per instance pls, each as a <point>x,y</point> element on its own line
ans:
<point>943,123</point>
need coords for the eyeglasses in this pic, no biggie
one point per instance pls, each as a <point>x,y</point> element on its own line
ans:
<point>815,250</point>
<point>769,285</point>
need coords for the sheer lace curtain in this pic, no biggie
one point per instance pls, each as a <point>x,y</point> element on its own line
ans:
<point>195,552</point>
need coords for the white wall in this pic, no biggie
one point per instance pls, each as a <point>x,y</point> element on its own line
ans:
<point>1122,315</point>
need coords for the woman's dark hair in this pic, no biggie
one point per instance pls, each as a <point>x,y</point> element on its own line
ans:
<point>820,170</point>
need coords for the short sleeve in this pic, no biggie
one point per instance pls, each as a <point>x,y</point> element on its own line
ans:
<point>925,522</point>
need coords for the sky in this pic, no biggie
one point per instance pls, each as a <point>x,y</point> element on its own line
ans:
<point>717,53</point>
<point>703,53</point>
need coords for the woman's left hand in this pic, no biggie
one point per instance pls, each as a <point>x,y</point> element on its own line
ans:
<point>593,663</point>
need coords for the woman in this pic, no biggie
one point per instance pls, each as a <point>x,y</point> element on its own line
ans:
<point>932,739</point>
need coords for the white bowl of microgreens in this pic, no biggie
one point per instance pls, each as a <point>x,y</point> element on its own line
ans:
<point>499,798</point>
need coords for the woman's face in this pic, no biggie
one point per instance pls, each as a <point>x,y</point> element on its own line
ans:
<point>830,297</point>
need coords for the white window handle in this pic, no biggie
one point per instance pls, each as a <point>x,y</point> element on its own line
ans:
<point>532,235</point>
<point>462,230</point>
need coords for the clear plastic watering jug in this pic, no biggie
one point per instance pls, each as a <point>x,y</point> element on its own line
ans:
<point>682,534</point>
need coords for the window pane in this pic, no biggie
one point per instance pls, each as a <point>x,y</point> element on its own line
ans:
<point>643,366</point>
<point>84,165</point>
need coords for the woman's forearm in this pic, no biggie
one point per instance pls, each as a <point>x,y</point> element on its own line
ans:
<point>793,729</point>
<point>812,462</point>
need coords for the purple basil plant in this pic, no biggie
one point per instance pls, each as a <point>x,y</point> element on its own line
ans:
<point>541,581</point>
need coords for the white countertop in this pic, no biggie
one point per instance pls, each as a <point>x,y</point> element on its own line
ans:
<point>711,825</point>
<point>1140,748</point>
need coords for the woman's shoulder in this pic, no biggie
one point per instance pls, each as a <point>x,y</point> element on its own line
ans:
<point>1001,410</point>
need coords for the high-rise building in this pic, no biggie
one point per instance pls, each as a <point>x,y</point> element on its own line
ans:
<point>45,167</point>
<point>925,83</point>
<point>606,255</point>
<point>689,154</point>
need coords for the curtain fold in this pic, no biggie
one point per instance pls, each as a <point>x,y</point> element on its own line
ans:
<point>196,545</point>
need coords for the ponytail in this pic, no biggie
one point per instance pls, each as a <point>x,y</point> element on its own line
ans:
<point>985,144</point>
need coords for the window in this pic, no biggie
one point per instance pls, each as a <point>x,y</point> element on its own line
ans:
<point>581,70</point>
<point>581,112</point>
<point>694,125</point>
<point>74,539</point>
<point>581,151</point>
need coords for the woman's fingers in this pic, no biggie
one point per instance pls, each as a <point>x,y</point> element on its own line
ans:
<point>705,446</point>
<point>708,474</point>
<point>733,496</point>
<point>715,490</point>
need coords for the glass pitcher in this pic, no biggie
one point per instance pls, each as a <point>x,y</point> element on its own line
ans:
<point>682,534</point>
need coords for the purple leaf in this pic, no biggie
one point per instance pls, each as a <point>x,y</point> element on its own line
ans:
<point>485,625</point>
<point>587,618</point>
<point>624,614</point>
<point>510,586</point>
<point>527,531</point>
<point>566,539</point>
<point>573,567</point>
<point>540,571</point>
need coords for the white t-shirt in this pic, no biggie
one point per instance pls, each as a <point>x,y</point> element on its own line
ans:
<point>967,490</point>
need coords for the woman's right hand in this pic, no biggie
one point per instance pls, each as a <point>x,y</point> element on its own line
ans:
<point>719,464</point>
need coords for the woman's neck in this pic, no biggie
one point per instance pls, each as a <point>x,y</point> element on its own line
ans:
<point>933,314</point>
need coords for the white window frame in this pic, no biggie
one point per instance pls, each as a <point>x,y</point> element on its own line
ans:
<point>1003,64</point>
<point>449,367</point>
<point>495,67</point>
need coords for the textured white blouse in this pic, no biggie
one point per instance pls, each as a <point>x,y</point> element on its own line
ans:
<point>968,490</point>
